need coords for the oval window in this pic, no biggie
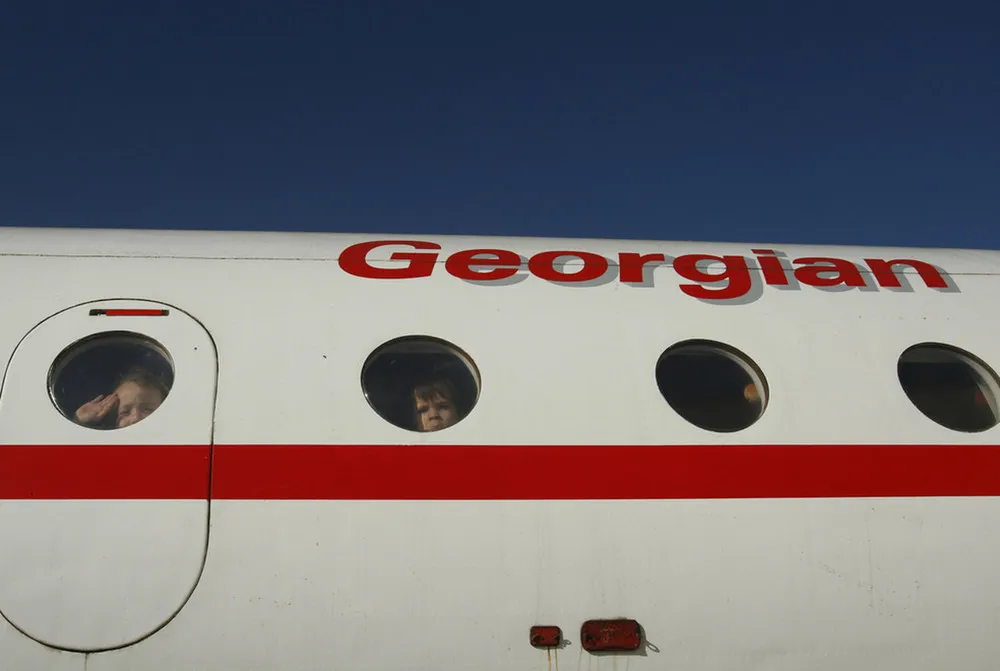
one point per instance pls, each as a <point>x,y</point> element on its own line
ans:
<point>111,380</point>
<point>711,385</point>
<point>420,383</point>
<point>950,386</point>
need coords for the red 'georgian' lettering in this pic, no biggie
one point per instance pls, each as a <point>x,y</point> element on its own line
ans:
<point>631,266</point>
<point>734,280</point>
<point>770,266</point>
<point>542,265</point>
<point>847,272</point>
<point>887,278</point>
<point>354,260</point>
<point>736,272</point>
<point>504,265</point>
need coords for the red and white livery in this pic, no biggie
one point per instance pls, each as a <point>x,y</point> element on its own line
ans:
<point>668,455</point>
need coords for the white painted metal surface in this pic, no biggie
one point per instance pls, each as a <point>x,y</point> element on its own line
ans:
<point>92,574</point>
<point>810,584</point>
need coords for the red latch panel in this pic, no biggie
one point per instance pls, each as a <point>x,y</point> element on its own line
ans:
<point>610,635</point>
<point>546,637</point>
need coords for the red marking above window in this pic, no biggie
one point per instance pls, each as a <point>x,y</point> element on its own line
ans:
<point>125,312</point>
<point>546,637</point>
<point>610,635</point>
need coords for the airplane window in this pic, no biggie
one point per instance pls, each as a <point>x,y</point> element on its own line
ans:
<point>712,385</point>
<point>420,383</point>
<point>950,387</point>
<point>110,380</point>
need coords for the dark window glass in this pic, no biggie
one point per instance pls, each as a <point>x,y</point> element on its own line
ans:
<point>420,383</point>
<point>712,385</point>
<point>111,380</point>
<point>950,386</point>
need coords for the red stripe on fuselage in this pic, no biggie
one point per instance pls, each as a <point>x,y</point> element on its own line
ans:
<point>104,471</point>
<point>467,472</point>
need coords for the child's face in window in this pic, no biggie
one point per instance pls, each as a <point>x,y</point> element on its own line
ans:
<point>136,402</point>
<point>435,411</point>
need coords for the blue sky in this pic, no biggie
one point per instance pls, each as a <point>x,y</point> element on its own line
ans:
<point>840,122</point>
